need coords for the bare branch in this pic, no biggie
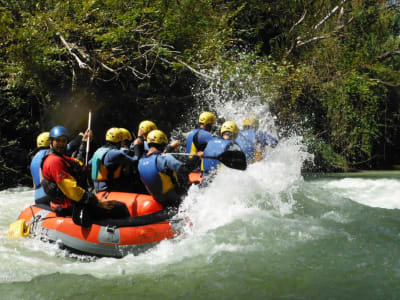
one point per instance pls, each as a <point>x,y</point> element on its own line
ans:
<point>328,15</point>
<point>194,70</point>
<point>81,64</point>
<point>316,38</point>
<point>299,21</point>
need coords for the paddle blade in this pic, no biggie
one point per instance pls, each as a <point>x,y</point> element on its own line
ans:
<point>18,229</point>
<point>233,159</point>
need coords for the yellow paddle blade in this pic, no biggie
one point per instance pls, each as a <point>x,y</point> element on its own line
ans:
<point>18,229</point>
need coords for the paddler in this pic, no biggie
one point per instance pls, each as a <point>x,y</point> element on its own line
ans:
<point>64,180</point>
<point>165,177</point>
<point>217,146</point>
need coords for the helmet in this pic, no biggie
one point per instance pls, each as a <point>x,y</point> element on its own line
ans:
<point>58,131</point>
<point>126,134</point>
<point>230,126</point>
<point>207,118</point>
<point>157,137</point>
<point>43,140</point>
<point>250,121</point>
<point>113,135</point>
<point>147,126</point>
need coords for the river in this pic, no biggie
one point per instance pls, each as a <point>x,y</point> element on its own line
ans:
<point>266,233</point>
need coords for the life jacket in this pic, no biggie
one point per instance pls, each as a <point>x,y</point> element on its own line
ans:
<point>215,147</point>
<point>99,170</point>
<point>51,188</point>
<point>197,140</point>
<point>40,196</point>
<point>247,140</point>
<point>162,186</point>
<point>190,145</point>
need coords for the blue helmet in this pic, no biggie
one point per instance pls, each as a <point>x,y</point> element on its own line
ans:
<point>58,131</point>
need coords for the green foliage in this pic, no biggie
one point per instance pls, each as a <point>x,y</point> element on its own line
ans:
<point>328,69</point>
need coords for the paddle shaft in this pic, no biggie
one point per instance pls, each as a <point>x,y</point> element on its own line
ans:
<point>88,141</point>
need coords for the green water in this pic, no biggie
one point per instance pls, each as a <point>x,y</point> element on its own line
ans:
<point>334,236</point>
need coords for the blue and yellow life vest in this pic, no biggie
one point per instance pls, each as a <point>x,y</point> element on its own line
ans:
<point>160,185</point>
<point>99,170</point>
<point>214,148</point>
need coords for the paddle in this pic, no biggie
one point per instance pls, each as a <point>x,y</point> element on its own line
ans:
<point>88,141</point>
<point>233,159</point>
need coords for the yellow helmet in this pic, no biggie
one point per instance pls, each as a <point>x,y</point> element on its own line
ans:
<point>250,121</point>
<point>113,135</point>
<point>157,137</point>
<point>43,140</point>
<point>147,126</point>
<point>207,118</point>
<point>229,126</point>
<point>126,134</point>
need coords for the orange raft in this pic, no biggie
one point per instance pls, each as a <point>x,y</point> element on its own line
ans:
<point>110,241</point>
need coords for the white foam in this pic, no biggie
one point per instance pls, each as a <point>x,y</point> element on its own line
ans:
<point>384,193</point>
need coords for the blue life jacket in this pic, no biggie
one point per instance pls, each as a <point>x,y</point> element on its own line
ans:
<point>40,196</point>
<point>247,140</point>
<point>215,147</point>
<point>197,140</point>
<point>159,184</point>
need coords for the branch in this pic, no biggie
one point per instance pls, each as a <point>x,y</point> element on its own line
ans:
<point>81,64</point>
<point>388,54</point>
<point>329,15</point>
<point>316,38</point>
<point>194,70</point>
<point>385,83</point>
<point>299,21</point>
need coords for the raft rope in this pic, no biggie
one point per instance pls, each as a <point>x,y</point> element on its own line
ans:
<point>36,219</point>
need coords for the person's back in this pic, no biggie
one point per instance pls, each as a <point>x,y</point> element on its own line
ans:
<point>108,161</point>
<point>253,141</point>
<point>247,139</point>
<point>218,146</point>
<point>165,177</point>
<point>43,144</point>
<point>198,138</point>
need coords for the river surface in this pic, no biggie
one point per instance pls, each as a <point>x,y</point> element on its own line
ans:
<point>266,233</point>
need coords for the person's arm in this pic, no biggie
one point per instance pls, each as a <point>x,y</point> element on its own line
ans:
<point>87,137</point>
<point>168,161</point>
<point>74,144</point>
<point>65,181</point>
<point>116,157</point>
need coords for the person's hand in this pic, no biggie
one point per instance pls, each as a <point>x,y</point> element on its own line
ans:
<point>88,135</point>
<point>104,203</point>
<point>140,132</point>
<point>174,144</point>
<point>200,154</point>
<point>138,141</point>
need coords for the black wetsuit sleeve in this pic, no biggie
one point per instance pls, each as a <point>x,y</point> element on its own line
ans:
<point>74,144</point>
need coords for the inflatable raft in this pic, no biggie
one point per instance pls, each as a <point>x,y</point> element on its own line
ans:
<point>108,240</point>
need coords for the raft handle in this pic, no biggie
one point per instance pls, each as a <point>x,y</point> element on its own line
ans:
<point>111,229</point>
